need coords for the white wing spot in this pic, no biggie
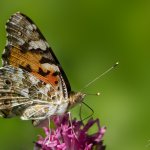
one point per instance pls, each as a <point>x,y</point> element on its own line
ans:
<point>30,27</point>
<point>34,26</point>
<point>34,80</point>
<point>38,44</point>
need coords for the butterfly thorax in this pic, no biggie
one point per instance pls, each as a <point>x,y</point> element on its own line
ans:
<point>75,98</point>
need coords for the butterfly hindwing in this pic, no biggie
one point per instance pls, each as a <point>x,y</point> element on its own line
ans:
<point>24,95</point>
<point>27,49</point>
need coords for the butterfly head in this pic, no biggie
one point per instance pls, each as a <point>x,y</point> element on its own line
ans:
<point>75,98</point>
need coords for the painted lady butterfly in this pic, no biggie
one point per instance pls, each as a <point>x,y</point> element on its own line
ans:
<point>33,84</point>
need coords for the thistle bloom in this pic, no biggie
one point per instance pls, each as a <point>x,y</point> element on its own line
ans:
<point>71,135</point>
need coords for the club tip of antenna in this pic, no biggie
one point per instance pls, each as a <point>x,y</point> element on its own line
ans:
<point>98,93</point>
<point>116,64</point>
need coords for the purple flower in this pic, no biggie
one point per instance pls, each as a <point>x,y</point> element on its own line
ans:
<point>71,135</point>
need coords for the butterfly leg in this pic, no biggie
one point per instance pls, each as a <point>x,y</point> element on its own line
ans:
<point>70,120</point>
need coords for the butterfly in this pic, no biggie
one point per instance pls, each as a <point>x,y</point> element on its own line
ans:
<point>33,84</point>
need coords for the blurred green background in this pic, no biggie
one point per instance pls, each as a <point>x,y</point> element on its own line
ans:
<point>89,36</point>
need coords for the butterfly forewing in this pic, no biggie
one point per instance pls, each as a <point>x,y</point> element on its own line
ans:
<point>27,49</point>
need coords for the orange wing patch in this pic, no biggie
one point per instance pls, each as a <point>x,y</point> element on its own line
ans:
<point>50,78</point>
<point>17,59</point>
<point>31,62</point>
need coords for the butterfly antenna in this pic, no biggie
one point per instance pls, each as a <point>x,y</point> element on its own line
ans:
<point>108,70</point>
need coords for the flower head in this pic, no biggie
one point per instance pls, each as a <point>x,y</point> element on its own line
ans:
<point>71,135</point>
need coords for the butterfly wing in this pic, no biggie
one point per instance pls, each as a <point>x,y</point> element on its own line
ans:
<point>24,95</point>
<point>27,49</point>
<point>15,87</point>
